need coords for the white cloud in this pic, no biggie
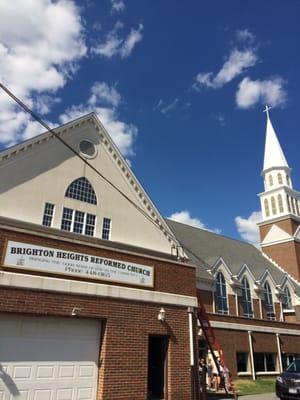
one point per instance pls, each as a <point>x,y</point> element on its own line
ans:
<point>114,44</point>
<point>237,63</point>
<point>244,35</point>
<point>41,42</point>
<point>186,218</point>
<point>102,96</point>
<point>117,5</point>
<point>269,91</point>
<point>166,108</point>
<point>102,92</point>
<point>135,36</point>
<point>247,227</point>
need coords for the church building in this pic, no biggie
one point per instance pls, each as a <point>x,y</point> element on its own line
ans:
<point>251,295</point>
<point>280,205</point>
<point>99,293</point>
<point>95,303</point>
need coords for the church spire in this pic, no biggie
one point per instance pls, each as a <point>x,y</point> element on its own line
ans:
<point>274,157</point>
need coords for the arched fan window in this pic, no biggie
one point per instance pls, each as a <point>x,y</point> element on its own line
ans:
<point>82,190</point>
<point>221,294</point>
<point>246,297</point>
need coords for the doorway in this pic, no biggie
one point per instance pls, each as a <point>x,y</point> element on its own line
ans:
<point>157,357</point>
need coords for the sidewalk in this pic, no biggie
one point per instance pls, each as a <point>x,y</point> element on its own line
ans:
<point>222,396</point>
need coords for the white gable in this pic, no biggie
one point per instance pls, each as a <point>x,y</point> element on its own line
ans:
<point>40,170</point>
<point>276,234</point>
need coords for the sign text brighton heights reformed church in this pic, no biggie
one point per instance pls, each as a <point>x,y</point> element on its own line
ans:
<point>56,261</point>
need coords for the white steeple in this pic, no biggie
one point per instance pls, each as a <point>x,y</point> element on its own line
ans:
<point>274,157</point>
<point>279,198</point>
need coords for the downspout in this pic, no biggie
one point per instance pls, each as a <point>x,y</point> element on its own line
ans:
<point>251,355</point>
<point>193,371</point>
<point>279,352</point>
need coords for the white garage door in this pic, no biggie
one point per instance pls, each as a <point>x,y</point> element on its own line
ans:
<point>48,358</point>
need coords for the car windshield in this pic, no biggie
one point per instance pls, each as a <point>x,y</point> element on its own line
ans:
<point>294,367</point>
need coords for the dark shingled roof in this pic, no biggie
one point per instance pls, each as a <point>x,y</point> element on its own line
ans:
<point>205,248</point>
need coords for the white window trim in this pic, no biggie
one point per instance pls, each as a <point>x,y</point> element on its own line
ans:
<point>251,297</point>
<point>53,214</point>
<point>227,299</point>
<point>84,222</point>
<point>110,225</point>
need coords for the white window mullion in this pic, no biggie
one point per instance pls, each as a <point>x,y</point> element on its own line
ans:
<point>72,222</point>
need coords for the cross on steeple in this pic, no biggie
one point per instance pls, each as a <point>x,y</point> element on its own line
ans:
<point>266,110</point>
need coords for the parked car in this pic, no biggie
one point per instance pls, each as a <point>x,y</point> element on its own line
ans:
<point>288,383</point>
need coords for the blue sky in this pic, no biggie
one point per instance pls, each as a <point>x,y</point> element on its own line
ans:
<point>180,86</point>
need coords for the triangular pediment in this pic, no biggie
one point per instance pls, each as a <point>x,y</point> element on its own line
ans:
<point>297,233</point>
<point>276,234</point>
<point>41,169</point>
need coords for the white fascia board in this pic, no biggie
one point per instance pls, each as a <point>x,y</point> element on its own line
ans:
<point>277,219</point>
<point>244,269</point>
<point>253,328</point>
<point>292,239</point>
<point>65,286</point>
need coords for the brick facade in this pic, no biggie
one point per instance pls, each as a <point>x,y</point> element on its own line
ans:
<point>262,342</point>
<point>123,359</point>
<point>287,254</point>
<point>289,225</point>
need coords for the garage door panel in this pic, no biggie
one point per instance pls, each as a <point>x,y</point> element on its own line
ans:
<point>43,394</point>
<point>37,349</point>
<point>39,363</point>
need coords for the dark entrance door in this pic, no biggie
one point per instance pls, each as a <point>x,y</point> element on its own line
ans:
<point>157,353</point>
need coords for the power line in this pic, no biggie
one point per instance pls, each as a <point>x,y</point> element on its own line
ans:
<point>77,154</point>
<point>49,129</point>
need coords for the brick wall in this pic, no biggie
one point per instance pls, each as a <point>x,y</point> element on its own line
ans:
<point>288,225</point>
<point>207,299</point>
<point>124,351</point>
<point>123,359</point>
<point>287,255</point>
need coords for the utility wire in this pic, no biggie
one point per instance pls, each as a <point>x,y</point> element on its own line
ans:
<point>49,129</point>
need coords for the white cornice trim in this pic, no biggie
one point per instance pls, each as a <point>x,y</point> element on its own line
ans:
<point>278,242</point>
<point>65,286</point>
<point>277,219</point>
<point>253,328</point>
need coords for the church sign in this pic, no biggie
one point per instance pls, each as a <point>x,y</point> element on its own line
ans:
<point>56,261</point>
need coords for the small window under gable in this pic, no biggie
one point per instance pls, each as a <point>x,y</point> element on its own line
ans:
<point>287,299</point>
<point>279,176</point>
<point>246,298</point>
<point>48,214</point>
<point>221,294</point>
<point>268,303</point>
<point>82,190</point>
